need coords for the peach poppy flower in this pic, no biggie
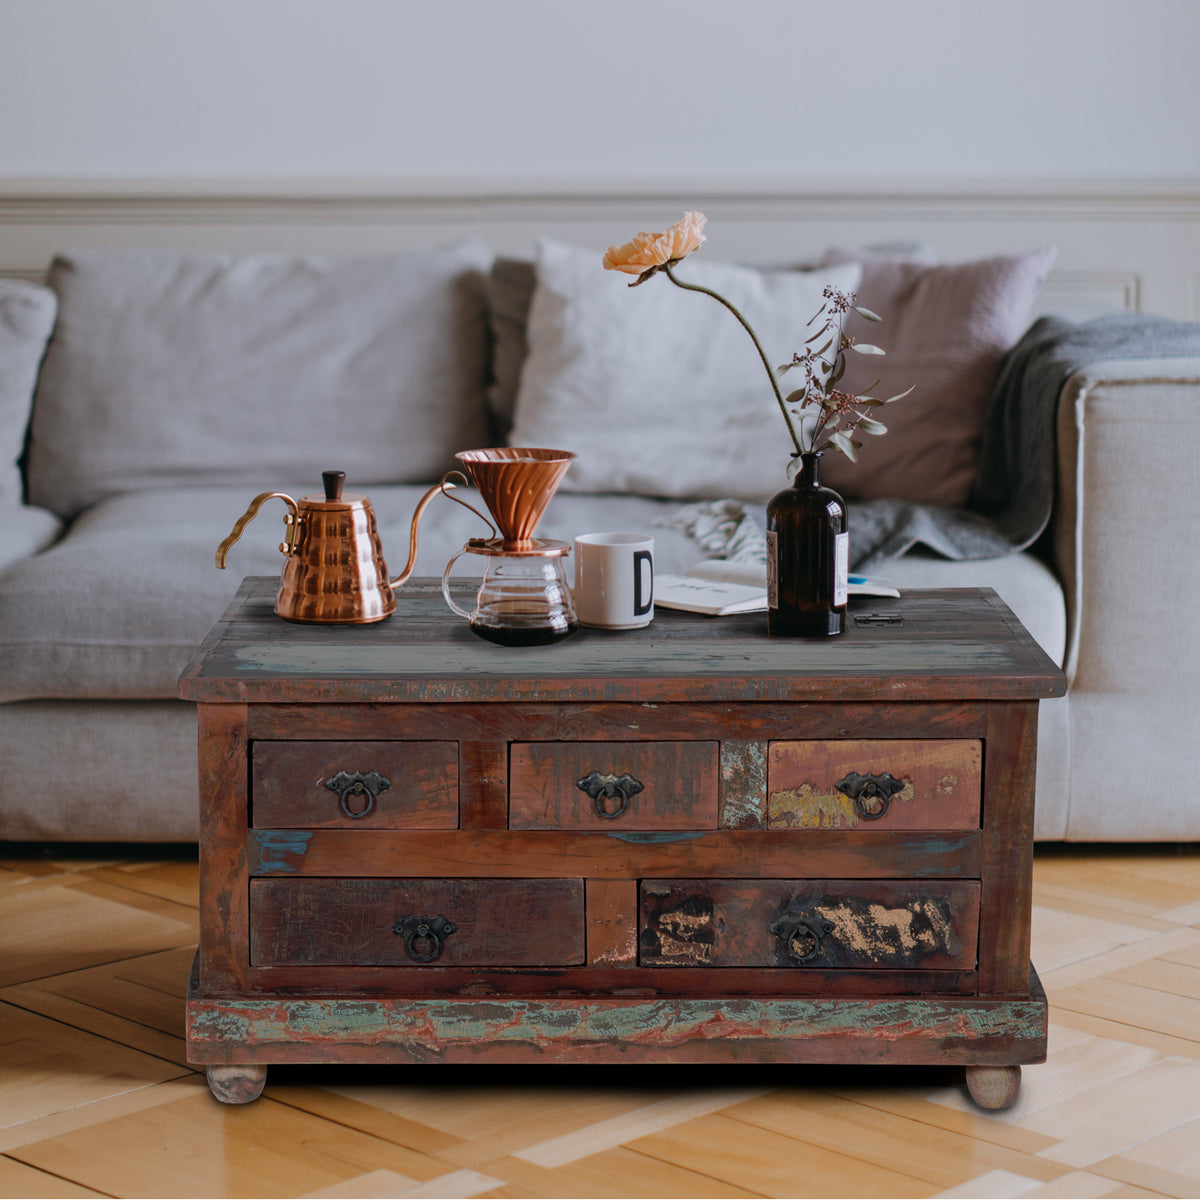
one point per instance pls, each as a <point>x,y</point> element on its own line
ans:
<point>649,251</point>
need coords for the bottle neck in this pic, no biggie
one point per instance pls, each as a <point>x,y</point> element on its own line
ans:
<point>809,475</point>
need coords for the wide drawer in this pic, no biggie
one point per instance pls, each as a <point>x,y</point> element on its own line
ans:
<point>613,785</point>
<point>888,784</point>
<point>332,785</point>
<point>417,922</point>
<point>899,924</point>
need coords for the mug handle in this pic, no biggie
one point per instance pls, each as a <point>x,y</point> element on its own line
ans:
<point>462,612</point>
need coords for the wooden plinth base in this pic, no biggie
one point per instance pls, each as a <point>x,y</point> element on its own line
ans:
<point>990,1037</point>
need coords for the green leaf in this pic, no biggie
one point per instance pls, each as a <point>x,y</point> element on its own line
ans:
<point>841,442</point>
<point>784,368</point>
<point>868,401</point>
<point>797,397</point>
<point>866,312</point>
<point>866,348</point>
<point>872,427</point>
<point>839,370</point>
<point>900,396</point>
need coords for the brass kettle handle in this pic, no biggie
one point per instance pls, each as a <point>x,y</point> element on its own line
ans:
<point>292,520</point>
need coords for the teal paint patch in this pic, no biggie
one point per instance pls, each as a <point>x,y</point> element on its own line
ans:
<point>280,851</point>
<point>652,839</point>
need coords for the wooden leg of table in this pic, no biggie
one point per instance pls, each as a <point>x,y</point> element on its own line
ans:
<point>993,1087</point>
<point>236,1084</point>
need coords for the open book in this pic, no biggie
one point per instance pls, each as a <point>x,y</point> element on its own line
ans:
<point>716,588</point>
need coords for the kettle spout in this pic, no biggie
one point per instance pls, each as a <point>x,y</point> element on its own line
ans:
<point>439,488</point>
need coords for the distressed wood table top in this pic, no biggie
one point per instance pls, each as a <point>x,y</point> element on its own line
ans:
<point>952,644</point>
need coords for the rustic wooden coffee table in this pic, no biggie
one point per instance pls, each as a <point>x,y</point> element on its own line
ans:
<point>685,843</point>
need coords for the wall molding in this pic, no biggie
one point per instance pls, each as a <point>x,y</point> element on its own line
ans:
<point>1121,244</point>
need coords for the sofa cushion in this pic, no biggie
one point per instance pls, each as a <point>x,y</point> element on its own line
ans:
<point>25,530</point>
<point>26,321</point>
<point>182,369</point>
<point>658,390</point>
<point>945,329</point>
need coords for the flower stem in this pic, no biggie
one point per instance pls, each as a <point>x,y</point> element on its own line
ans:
<point>766,362</point>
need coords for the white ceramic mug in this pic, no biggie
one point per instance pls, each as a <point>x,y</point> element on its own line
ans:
<point>614,580</point>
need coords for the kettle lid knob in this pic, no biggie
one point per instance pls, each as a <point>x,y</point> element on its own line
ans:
<point>333,481</point>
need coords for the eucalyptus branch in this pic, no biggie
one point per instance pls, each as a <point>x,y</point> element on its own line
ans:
<point>766,362</point>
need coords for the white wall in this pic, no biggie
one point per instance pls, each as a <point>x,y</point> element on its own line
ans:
<point>608,90</point>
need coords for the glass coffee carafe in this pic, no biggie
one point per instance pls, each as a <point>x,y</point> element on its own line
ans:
<point>523,599</point>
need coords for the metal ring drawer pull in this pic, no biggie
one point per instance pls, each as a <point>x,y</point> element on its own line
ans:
<point>609,787</point>
<point>801,936</point>
<point>357,783</point>
<point>434,930</point>
<point>864,789</point>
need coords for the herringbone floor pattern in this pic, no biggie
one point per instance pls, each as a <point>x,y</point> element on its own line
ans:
<point>96,1097</point>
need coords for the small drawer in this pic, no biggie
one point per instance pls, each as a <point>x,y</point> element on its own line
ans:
<point>874,785</point>
<point>355,785</point>
<point>417,922</point>
<point>897,924</point>
<point>611,786</point>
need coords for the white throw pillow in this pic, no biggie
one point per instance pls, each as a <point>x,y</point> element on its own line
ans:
<point>660,391</point>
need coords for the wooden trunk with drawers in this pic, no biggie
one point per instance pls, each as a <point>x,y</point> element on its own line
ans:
<point>689,842</point>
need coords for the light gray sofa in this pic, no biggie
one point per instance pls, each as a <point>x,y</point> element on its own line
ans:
<point>146,397</point>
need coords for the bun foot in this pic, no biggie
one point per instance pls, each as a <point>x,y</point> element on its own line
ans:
<point>236,1084</point>
<point>993,1087</point>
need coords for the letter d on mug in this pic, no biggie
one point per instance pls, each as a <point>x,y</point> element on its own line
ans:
<point>614,580</point>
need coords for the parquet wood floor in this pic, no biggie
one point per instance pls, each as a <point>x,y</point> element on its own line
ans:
<point>96,1097</point>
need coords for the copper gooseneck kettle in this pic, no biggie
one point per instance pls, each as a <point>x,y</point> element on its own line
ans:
<point>334,571</point>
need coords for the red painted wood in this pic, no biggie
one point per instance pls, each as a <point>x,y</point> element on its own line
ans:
<point>941,783</point>
<point>526,922</point>
<point>677,782</point>
<point>612,906</point>
<point>290,785</point>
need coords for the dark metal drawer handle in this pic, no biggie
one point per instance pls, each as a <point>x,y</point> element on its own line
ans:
<point>431,930</point>
<point>801,936</point>
<point>871,793</point>
<point>609,787</point>
<point>357,783</point>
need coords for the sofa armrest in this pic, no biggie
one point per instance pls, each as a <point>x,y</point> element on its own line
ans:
<point>1126,544</point>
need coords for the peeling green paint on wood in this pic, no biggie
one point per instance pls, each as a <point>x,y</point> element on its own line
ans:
<point>744,784</point>
<point>424,1026</point>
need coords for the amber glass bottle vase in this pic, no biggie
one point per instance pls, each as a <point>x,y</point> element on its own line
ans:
<point>807,557</point>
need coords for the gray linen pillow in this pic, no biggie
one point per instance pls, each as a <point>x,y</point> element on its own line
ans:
<point>26,322</point>
<point>173,369</point>
<point>946,329</point>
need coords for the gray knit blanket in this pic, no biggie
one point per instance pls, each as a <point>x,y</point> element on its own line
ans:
<point>1014,490</point>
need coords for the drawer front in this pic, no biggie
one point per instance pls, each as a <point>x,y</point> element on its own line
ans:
<point>874,785</point>
<point>898,924</point>
<point>612,786</point>
<point>417,922</point>
<point>354,785</point>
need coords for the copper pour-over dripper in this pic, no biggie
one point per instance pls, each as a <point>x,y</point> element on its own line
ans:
<point>516,484</point>
<point>523,599</point>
